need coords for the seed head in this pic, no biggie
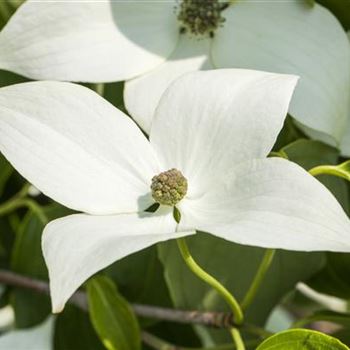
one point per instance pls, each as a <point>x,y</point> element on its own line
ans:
<point>201,17</point>
<point>169,187</point>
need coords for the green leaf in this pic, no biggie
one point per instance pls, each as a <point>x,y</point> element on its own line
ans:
<point>30,307</point>
<point>126,273</point>
<point>27,259</point>
<point>111,316</point>
<point>308,153</point>
<point>74,331</point>
<point>333,279</point>
<point>325,315</point>
<point>301,339</point>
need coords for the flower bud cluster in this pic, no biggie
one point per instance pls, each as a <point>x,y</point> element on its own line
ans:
<point>201,17</point>
<point>169,187</point>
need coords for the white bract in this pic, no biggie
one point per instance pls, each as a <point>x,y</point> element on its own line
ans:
<point>345,142</point>
<point>36,338</point>
<point>215,127</point>
<point>102,41</point>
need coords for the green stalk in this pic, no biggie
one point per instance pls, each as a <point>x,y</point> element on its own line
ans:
<point>236,335</point>
<point>203,275</point>
<point>213,282</point>
<point>258,279</point>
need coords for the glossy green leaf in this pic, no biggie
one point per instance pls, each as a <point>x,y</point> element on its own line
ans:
<point>301,339</point>
<point>74,331</point>
<point>325,315</point>
<point>111,316</point>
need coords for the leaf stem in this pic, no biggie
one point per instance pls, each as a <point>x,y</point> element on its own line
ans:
<point>280,154</point>
<point>203,275</point>
<point>258,279</point>
<point>229,298</point>
<point>320,170</point>
<point>237,339</point>
<point>330,170</point>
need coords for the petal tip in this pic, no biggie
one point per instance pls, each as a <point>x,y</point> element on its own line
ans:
<point>57,309</point>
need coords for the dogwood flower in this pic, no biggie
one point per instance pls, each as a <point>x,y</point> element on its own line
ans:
<point>206,156</point>
<point>156,42</point>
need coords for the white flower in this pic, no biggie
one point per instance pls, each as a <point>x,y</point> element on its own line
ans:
<point>345,142</point>
<point>101,41</point>
<point>215,127</point>
<point>35,338</point>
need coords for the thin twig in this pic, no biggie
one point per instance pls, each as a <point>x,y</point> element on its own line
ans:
<point>258,278</point>
<point>16,280</point>
<point>210,319</point>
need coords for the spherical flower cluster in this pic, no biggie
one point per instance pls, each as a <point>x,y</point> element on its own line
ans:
<point>169,187</point>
